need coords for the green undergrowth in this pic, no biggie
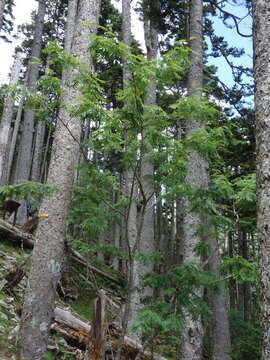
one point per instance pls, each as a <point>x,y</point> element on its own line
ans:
<point>78,282</point>
<point>84,306</point>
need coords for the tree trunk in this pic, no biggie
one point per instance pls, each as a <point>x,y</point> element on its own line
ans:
<point>2,8</point>
<point>14,140</point>
<point>131,233</point>
<point>244,289</point>
<point>49,250</point>
<point>220,341</point>
<point>147,244</point>
<point>5,125</point>
<point>71,16</point>
<point>38,152</point>
<point>261,41</point>
<point>45,160</point>
<point>25,154</point>
<point>198,176</point>
<point>192,333</point>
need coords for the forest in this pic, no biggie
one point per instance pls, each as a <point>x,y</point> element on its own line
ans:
<point>135,182</point>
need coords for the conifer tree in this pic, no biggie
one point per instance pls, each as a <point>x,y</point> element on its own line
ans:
<point>192,336</point>
<point>131,192</point>
<point>261,28</point>
<point>25,151</point>
<point>5,125</point>
<point>147,245</point>
<point>49,249</point>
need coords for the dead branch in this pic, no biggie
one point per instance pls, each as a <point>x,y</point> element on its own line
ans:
<point>77,333</point>
<point>10,232</point>
<point>16,235</point>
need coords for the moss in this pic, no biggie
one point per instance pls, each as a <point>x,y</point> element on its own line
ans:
<point>49,356</point>
<point>84,307</point>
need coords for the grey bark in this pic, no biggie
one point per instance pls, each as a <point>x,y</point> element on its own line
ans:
<point>220,341</point>
<point>25,154</point>
<point>130,233</point>
<point>38,147</point>
<point>261,43</point>
<point>71,16</point>
<point>198,176</point>
<point>38,151</point>
<point>180,211</point>
<point>133,303</point>
<point>44,165</point>
<point>5,125</point>
<point>49,250</point>
<point>192,334</point>
<point>147,245</point>
<point>14,139</point>
<point>244,290</point>
<point>2,8</point>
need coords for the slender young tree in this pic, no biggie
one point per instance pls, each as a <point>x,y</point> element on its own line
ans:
<point>38,151</point>
<point>38,148</point>
<point>261,44</point>
<point>25,149</point>
<point>5,125</point>
<point>14,140</point>
<point>49,249</point>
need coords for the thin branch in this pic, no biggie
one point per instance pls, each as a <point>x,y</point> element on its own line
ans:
<point>230,15</point>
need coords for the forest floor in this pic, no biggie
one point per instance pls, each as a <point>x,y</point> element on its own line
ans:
<point>13,257</point>
<point>81,284</point>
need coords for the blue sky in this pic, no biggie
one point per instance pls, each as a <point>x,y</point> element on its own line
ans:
<point>231,36</point>
<point>23,9</point>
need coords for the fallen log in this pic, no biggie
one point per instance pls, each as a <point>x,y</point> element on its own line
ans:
<point>80,259</point>
<point>65,323</point>
<point>16,235</point>
<point>70,327</point>
<point>77,332</point>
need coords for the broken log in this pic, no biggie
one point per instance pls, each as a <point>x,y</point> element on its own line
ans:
<point>10,232</point>
<point>10,207</point>
<point>80,259</point>
<point>16,235</point>
<point>73,330</point>
<point>65,323</point>
<point>77,333</point>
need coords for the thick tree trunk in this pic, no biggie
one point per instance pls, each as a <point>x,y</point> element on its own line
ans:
<point>147,243</point>
<point>25,154</point>
<point>2,8</point>
<point>261,41</point>
<point>192,335</point>
<point>130,189</point>
<point>49,249</point>
<point>5,124</point>
<point>198,176</point>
